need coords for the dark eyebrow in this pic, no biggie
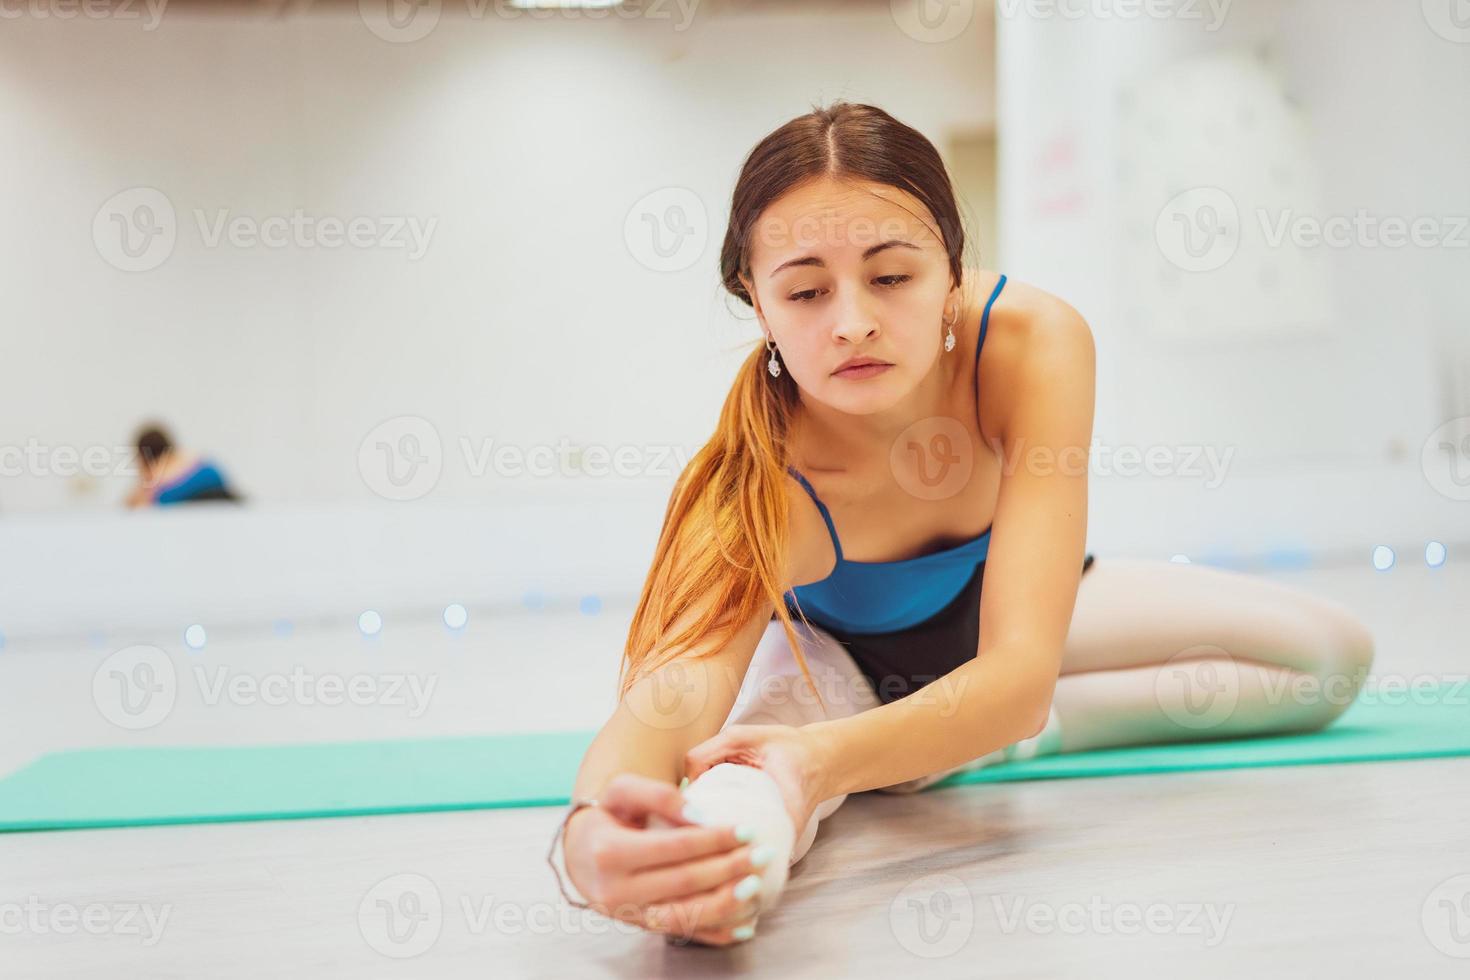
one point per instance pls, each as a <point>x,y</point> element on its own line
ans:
<point>868,254</point>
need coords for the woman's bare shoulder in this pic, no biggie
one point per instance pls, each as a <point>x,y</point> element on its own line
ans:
<point>1026,316</point>
<point>1031,333</point>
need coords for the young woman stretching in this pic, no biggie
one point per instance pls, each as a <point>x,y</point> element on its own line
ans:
<point>903,464</point>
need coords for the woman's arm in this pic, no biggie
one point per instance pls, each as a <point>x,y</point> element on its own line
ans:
<point>671,709</point>
<point>1043,415</point>
<point>639,856</point>
<point>687,700</point>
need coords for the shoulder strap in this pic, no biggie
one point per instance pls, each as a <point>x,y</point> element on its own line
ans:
<point>831,529</point>
<point>985,317</point>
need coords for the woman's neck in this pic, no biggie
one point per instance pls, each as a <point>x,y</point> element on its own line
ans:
<point>848,440</point>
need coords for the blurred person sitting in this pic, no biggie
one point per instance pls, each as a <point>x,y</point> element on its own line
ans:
<point>167,475</point>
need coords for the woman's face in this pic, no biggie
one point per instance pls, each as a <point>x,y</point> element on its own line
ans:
<point>843,269</point>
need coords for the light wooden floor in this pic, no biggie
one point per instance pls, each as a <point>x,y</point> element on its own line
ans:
<point>1345,870</point>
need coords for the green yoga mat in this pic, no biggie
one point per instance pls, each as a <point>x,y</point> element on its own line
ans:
<point>138,786</point>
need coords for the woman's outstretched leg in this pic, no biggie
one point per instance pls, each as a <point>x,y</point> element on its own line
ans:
<point>774,692</point>
<point>1166,652</point>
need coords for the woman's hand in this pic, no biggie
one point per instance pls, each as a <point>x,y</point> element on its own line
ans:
<point>678,880</point>
<point>140,496</point>
<point>786,752</point>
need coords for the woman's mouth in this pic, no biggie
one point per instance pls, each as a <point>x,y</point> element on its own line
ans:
<point>860,371</point>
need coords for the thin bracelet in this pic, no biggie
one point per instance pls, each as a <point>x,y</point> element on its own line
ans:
<point>560,832</point>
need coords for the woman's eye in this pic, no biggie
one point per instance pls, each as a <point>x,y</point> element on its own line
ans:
<point>807,295</point>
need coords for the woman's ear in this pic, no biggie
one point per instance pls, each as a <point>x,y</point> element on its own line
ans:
<point>755,303</point>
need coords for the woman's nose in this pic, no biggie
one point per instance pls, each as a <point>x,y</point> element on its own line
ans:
<point>856,320</point>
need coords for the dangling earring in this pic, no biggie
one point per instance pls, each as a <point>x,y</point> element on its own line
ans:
<point>773,366</point>
<point>949,336</point>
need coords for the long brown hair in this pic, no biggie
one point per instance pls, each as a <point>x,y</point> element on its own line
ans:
<point>725,528</point>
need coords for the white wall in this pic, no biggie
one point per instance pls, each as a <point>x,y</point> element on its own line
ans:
<point>1315,366</point>
<point>528,320</point>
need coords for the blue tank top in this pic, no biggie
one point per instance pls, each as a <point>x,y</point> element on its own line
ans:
<point>886,596</point>
<point>203,482</point>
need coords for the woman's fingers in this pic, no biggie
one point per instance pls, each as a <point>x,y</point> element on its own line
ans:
<point>659,884</point>
<point>726,905</point>
<point>724,936</point>
<point>632,798</point>
<point>656,847</point>
<point>728,745</point>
